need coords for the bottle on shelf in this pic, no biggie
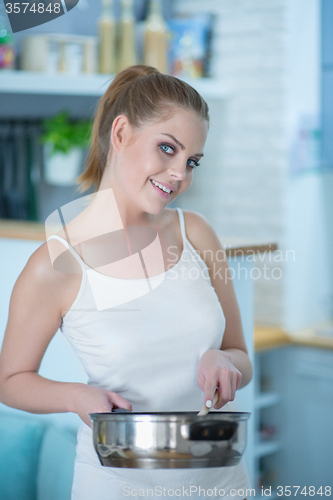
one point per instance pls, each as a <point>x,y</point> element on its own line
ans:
<point>127,55</point>
<point>107,39</point>
<point>7,53</point>
<point>156,38</point>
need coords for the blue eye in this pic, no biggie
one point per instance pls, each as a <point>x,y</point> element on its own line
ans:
<point>169,150</point>
<point>166,147</point>
<point>196,164</point>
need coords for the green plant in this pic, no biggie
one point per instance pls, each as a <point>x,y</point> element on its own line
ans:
<point>64,134</point>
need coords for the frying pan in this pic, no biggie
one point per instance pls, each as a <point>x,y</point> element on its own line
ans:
<point>169,440</point>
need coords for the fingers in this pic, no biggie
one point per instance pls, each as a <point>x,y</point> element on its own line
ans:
<point>209,392</point>
<point>97,400</point>
<point>229,382</point>
<point>216,371</point>
<point>118,401</point>
<point>225,383</point>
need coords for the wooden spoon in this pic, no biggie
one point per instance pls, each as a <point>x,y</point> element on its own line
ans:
<point>205,410</point>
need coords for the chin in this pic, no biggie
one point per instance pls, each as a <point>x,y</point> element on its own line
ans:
<point>154,208</point>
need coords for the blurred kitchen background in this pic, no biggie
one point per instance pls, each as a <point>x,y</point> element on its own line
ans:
<point>265,68</point>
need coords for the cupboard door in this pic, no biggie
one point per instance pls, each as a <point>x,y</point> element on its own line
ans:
<point>327,32</point>
<point>326,118</point>
<point>309,437</point>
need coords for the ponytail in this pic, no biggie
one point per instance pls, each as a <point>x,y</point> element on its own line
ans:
<point>141,93</point>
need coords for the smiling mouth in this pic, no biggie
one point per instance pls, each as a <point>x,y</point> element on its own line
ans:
<point>161,187</point>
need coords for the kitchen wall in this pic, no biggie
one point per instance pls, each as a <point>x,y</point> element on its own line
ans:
<point>268,56</point>
<point>309,223</point>
<point>242,190</point>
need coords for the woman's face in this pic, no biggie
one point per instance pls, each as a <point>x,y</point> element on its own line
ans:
<point>164,153</point>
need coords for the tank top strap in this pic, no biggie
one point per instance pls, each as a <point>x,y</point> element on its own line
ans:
<point>182,224</point>
<point>70,248</point>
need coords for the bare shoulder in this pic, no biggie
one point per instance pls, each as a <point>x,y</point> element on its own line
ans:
<point>39,266</point>
<point>196,223</point>
<point>38,275</point>
<point>41,283</point>
<point>201,235</point>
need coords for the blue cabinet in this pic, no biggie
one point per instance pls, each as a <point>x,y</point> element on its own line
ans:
<point>327,82</point>
<point>308,436</point>
<point>327,32</point>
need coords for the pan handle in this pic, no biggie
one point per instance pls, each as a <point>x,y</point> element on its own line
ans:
<point>208,430</point>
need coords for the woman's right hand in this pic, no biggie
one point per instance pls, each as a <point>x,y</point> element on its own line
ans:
<point>89,399</point>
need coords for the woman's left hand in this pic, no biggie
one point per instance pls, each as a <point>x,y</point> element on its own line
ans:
<point>216,372</point>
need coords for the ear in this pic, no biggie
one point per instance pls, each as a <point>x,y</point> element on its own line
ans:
<point>120,131</point>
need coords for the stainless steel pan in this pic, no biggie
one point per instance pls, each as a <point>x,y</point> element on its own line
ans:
<point>169,440</point>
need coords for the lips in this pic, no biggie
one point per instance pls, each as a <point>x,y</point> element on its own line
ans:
<point>168,186</point>
<point>160,191</point>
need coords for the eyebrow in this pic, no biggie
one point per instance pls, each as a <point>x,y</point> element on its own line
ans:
<point>180,144</point>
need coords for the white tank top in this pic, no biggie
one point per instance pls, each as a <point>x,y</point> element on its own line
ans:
<point>146,349</point>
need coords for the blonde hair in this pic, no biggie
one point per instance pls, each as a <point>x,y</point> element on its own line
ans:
<point>141,93</point>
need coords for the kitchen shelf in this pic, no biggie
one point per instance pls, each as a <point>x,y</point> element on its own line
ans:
<point>266,399</point>
<point>267,416</point>
<point>32,82</point>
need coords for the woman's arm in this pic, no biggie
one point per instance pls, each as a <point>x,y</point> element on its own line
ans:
<point>34,317</point>
<point>230,368</point>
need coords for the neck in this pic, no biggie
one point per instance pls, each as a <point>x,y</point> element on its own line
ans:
<point>115,203</point>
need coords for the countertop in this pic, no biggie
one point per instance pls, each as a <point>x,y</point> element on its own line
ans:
<point>22,230</point>
<point>27,230</point>
<point>270,337</point>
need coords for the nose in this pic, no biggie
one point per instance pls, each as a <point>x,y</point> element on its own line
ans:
<point>178,170</point>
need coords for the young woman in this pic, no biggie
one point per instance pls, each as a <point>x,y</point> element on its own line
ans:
<point>162,347</point>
